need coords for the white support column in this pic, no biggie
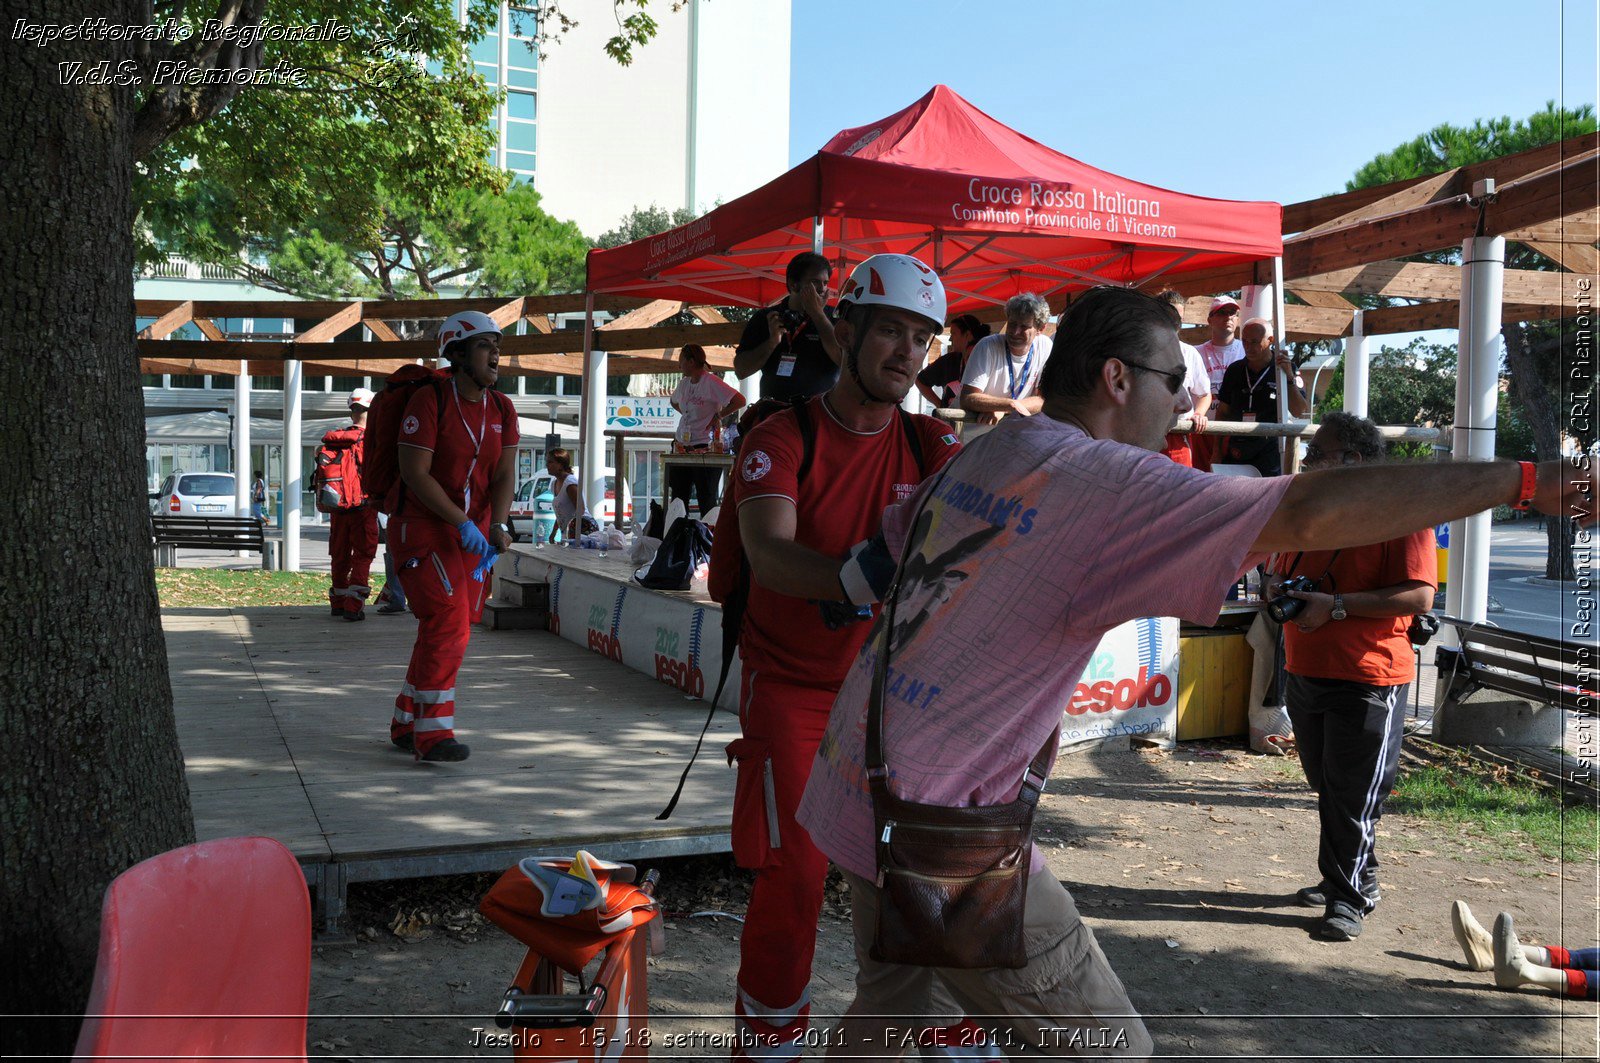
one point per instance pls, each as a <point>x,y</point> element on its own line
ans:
<point>292,488</point>
<point>593,414</point>
<point>1357,368</point>
<point>816,235</point>
<point>1483,263</point>
<point>241,443</point>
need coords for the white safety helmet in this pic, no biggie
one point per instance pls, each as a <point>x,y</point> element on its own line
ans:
<point>463,325</point>
<point>361,397</point>
<point>899,281</point>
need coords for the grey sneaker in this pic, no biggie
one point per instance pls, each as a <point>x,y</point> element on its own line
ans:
<point>1340,922</point>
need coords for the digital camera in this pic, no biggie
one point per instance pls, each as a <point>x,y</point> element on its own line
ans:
<point>1284,609</point>
<point>792,319</point>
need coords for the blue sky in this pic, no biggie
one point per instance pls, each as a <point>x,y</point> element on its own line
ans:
<point>1242,100</point>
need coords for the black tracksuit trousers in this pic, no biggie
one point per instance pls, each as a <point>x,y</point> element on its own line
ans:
<point>1348,735</point>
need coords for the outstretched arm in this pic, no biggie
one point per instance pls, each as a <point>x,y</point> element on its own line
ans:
<point>1354,506</point>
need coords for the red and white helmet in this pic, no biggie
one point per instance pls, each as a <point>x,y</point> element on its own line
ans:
<point>463,325</point>
<point>899,281</point>
<point>361,397</point>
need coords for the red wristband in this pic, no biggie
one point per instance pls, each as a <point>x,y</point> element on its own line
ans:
<point>1530,486</point>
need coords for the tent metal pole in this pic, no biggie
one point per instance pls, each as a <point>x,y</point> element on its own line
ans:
<point>1289,453</point>
<point>1483,262</point>
<point>816,234</point>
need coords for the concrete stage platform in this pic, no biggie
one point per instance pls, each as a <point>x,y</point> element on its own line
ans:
<point>283,717</point>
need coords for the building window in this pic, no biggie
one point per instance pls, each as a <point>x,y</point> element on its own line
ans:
<point>522,106</point>
<point>521,136</point>
<point>519,160</point>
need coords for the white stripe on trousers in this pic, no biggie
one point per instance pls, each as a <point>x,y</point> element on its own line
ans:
<point>1369,820</point>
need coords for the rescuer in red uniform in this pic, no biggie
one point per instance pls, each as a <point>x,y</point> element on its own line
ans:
<point>448,522</point>
<point>352,528</point>
<point>810,539</point>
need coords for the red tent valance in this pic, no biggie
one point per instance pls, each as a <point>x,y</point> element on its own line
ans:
<point>995,212</point>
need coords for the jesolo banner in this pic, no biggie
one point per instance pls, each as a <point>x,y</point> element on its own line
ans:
<point>676,642</point>
<point>1129,688</point>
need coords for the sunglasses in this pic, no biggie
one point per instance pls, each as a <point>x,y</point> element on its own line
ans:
<point>1225,311</point>
<point>1173,377</point>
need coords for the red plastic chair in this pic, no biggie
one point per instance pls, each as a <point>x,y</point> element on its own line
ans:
<point>205,953</point>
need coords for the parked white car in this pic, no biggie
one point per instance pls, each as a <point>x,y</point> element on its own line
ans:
<point>531,513</point>
<point>195,494</point>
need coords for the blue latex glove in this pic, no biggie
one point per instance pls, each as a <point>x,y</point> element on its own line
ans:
<point>472,539</point>
<point>868,571</point>
<point>486,565</point>
<point>842,614</point>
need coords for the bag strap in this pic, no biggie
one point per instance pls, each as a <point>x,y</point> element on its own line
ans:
<point>1034,776</point>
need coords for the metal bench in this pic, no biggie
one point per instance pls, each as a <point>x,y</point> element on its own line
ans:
<point>167,533</point>
<point>1507,688</point>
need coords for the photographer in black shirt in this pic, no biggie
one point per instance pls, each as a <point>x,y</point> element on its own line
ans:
<point>791,343</point>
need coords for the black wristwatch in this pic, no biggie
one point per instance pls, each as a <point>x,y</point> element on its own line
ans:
<point>503,527</point>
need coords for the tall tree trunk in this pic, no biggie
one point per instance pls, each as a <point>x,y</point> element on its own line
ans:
<point>1541,408</point>
<point>93,780</point>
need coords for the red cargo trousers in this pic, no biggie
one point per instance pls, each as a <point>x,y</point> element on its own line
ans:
<point>437,575</point>
<point>352,544</point>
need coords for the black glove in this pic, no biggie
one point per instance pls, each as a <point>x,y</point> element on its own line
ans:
<point>842,614</point>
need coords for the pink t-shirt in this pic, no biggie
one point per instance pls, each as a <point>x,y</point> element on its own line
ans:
<point>1042,540</point>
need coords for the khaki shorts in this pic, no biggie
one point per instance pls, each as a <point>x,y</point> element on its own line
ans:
<point>1066,1002</point>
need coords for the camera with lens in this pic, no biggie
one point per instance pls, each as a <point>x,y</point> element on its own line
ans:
<point>792,319</point>
<point>1284,609</point>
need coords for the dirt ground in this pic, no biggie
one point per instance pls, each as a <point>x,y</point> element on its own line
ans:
<point>1183,863</point>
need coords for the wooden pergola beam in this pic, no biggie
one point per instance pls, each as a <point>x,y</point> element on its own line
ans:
<point>1552,193</point>
<point>1432,189</point>
<point>1445,314</point>
<point>1574,258</point>
<point>380,330</point>
<point>621,341</point>
<point>208,328</point>
<point>347,318</point>
<point>1308,214</point>
<point>1425,280</point>
<point>386,309</point>
<point>169,322</point>
<point>1582,227</point>
<point>651,313</point>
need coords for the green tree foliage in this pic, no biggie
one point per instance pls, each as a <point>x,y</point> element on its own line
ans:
<point>1536,351</point>
<point>478,240</point>
<point>644,221</point>
<point>1416,385</point>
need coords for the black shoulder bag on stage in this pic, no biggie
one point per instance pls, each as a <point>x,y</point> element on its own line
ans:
<point>952,881</point>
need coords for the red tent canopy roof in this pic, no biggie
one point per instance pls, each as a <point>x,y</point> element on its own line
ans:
<point>994,211</point>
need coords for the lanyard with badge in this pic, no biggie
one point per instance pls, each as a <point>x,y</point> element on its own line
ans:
<point>477,443</point>
<point>1011,370</point>
<point>1251,385</point>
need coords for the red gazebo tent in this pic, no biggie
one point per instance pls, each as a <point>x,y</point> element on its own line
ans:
<point>995,212</point>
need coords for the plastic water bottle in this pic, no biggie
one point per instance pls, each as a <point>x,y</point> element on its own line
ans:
<point>605,530</point>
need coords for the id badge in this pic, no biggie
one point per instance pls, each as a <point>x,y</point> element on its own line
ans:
<point>1249,417</point>
<point>786,365</point>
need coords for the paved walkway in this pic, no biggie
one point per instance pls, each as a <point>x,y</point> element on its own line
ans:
<point>283,717</point>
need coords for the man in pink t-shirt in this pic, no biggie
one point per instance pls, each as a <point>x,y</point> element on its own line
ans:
<point>1031,545</point>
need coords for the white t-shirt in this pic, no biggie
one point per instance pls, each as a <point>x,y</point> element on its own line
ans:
<point>1217,359</point>
<point>565,510</point>
<point>700,401</point>
<point>994,371</point>
<point>1196,381</point>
